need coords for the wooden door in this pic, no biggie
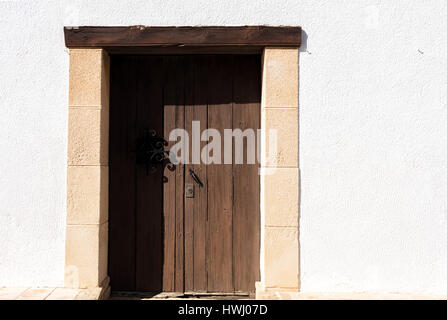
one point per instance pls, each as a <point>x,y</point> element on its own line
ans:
<point>161,239</point>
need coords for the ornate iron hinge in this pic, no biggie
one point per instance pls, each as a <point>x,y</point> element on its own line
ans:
<point>150,151</point>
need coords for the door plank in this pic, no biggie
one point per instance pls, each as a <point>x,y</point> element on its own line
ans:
<point>220,184</point>
<point>174,103</point>
<point>196,208</point>
<point>169,208</point>
<point>189,202</point>
<point>149,208</point>
<point>246,217</point>
<point>122,173</point>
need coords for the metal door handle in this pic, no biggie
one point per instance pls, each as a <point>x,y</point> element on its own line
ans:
<point>195,178</point>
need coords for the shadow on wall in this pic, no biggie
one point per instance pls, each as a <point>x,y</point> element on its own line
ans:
<point>303,47</point>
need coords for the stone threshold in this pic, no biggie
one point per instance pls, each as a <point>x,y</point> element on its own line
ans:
<point>134,295</point>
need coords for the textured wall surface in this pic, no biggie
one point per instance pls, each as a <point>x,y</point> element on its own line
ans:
<point>373,143</point>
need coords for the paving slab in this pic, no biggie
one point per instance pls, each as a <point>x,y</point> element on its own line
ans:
<point>63,294</point>
<point>11,293</point>
<point>35,294</point>
<point>89,294</point>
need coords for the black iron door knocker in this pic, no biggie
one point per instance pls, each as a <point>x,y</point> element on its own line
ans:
<point>150,151</point>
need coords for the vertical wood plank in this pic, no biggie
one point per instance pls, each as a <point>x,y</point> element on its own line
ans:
<point>174,111</point>
<point>168,204</point>
<point>189,202</point>
<point>246,211</point>
<point>179,181</point>
<point>149,207</point>
<point>122,173</point>
<point>196,208</point>
<point>220,184</point>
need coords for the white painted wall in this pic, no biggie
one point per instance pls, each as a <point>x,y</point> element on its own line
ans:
<point>373,136</point>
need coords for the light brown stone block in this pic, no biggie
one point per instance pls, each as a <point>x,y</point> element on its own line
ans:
<point>87,194</point>
<point>281,259</point>
<point>88,136</point>
<point>86,71</point>
<point>86,255</point>
<point>281,197</point>
<point>285,123</point>
<point>280,78</point>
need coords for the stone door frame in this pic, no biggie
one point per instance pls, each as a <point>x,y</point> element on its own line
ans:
<point>88,136</point>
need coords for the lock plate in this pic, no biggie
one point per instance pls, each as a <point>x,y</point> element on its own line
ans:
<point>189,190</point>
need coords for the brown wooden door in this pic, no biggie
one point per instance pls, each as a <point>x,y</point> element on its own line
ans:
<point>160,239</point>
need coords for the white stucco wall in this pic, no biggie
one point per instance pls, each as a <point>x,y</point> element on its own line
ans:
<point>373,133</point>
